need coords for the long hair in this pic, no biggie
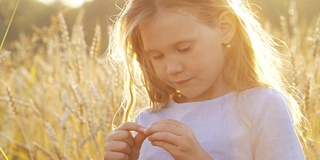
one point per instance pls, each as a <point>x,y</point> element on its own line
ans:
<point>251,61</point>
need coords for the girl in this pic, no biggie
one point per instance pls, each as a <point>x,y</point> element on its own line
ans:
<point>213,79</point>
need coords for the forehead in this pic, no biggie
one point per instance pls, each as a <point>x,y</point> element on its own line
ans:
<point>164,15</point>
<point>168,27</point>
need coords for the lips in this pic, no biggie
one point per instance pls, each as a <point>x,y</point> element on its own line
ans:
<point>180,82</point>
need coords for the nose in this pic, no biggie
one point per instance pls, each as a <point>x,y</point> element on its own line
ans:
<point>174,68</point>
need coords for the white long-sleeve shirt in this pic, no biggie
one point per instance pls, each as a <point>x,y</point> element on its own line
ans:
<point>255,124</point>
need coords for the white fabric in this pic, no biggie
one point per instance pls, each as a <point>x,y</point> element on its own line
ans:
<point>251,125</point>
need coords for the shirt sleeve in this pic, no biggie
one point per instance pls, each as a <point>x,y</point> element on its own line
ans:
<point>274,136</point>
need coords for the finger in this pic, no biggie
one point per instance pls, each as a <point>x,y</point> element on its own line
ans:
<point>135,150</point>
<point>166,137</point>
<point>176,129</point>
<point>166,146</point>
<point>118,146</point>
<point>168,121</point>
<point>138,140</point>
<point>115,156</point>
<point>121,135</point>
<point>130,126</point>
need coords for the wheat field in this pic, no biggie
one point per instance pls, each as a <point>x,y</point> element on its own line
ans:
<point>57,99</point>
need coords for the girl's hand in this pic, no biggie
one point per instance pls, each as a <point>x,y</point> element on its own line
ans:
<point>177,139</point>
<point>121,145</point>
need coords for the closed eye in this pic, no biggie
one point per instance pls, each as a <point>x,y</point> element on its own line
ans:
<point>157,56</point>
<point>185,49</point>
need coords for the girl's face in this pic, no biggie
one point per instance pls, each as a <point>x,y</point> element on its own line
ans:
<point>186,54</point>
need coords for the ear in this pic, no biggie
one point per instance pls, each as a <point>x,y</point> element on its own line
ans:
<point>227,25</point>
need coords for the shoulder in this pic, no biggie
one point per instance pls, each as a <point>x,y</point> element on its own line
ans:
<point>260,98</point>
<point>266,106</point>
<point>261,94</point>
<point>266,103</point>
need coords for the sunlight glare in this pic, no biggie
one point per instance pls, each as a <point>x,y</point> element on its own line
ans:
<point>68,3</point>
<point>47,2</point>
<point>74,3</point>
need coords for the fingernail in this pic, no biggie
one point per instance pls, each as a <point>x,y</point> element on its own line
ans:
<point>142,129</point>
<point>145,130</point>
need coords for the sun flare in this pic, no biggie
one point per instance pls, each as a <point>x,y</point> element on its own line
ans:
<point>68,3</point>
<point>47,2</point>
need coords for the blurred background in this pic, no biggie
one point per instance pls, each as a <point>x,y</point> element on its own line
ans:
<point>57,101</point>
<point>38,13</point>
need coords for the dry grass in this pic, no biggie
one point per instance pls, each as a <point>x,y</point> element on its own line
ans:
<point>304,56</point>
<point>57,100</point>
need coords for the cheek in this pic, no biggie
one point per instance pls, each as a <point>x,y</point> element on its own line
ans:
<point>160,71</point>
<point>208,62</point>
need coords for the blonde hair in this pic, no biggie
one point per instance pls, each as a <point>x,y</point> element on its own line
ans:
<point>251,61</point>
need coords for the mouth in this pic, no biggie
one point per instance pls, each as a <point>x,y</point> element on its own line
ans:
<point>181,82</point>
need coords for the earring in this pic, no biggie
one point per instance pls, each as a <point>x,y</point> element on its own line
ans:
<point>228,45</point>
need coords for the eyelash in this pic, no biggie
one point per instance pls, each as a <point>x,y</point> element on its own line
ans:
<point>179,50</point>
<point>185,49</point>
<point>157,57</point>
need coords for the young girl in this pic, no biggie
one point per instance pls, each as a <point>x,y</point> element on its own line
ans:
<point>213,79</point>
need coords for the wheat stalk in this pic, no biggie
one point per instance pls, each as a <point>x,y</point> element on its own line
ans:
<point>96,42</point>
<point>54,142</point>
<point>316,39</point>
<point>43,150</point>
<point>4,155</point>
<point>4,55</point>
<point>9,25</point>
